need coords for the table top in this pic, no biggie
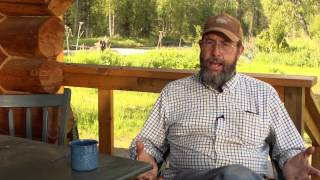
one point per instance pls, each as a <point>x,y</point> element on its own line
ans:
<point>26,159</point>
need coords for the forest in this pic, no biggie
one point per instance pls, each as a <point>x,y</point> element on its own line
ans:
<point>271,21</point>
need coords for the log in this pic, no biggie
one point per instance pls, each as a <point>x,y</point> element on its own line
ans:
<point>3,55</point>
<point>31,75</point>
<point>2,17</point>
<point>32,37</point>
<point>34,7</point>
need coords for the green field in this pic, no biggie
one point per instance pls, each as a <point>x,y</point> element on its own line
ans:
<point>131,108</point>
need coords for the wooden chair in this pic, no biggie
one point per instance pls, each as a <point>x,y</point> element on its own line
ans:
<point>38,100</point>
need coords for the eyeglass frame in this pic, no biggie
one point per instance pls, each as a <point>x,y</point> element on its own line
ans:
<point>224,46</point>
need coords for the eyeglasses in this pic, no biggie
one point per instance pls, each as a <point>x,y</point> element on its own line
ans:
<point>225,47</point>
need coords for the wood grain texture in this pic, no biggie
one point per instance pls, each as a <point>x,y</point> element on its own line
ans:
<point>31,75</point>
<point>152,80</point>
<point>3,55</point>
<point>105,111</point>
<point>32,36</point>
<point>311,128</point>
<point>34,7</point>
<point>294,102</point>
<point>312,107</point>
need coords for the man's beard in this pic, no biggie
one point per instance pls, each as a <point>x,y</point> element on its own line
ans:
<point>213,79</point>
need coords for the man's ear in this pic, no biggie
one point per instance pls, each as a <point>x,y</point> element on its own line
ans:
<point>240,51</point>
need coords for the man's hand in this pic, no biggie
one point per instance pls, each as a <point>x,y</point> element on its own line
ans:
<point>143,156</point>
<point>298,167</point>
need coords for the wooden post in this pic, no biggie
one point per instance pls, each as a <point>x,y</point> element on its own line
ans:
<point>280,91</point>
<point>34,7</point>
<point>32,37</point>
<point>105,111</point>
<point>294,100</point>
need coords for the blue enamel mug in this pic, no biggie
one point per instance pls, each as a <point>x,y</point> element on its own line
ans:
<point>84,155</point>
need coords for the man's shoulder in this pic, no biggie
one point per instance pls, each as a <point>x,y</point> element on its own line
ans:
<point>254,83</point>
<point>186,81</point>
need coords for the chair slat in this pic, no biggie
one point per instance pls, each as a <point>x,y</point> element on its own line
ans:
<point>45,101</point>
<point>11,122</point>
<point>45,124</point>
<point>28,123</point>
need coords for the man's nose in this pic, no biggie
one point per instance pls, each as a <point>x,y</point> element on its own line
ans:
<point>216,51</point>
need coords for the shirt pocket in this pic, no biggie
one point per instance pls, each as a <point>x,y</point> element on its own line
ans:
<point>248,127</point>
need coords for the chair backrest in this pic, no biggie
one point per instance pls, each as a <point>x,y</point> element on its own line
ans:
<point>38,100</point>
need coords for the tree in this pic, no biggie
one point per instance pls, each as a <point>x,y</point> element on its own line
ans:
<point>144,15</point>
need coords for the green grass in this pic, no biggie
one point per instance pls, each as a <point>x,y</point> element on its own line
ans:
<point>130,111</point>
<point>84,103</point>
<point>115,42</point>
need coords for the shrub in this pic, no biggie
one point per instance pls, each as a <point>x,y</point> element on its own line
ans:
<point>315,26</point>
<point>267,41</point>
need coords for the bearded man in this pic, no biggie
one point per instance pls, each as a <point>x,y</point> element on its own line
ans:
<point>220,124</point>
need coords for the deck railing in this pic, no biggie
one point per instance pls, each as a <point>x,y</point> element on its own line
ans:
<point>294,91</point>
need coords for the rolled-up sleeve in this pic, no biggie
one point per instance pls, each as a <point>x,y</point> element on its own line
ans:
<point>154,131</point>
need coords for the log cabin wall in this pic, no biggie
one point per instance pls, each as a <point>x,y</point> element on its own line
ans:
<point>31,40</point>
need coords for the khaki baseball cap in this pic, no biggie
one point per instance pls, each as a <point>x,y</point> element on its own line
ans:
<point>225,24</point>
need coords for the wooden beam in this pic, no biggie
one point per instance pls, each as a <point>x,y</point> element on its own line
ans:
<point>312,107</point>
<point>294,101</point>
<point>85,75</point>
<point>311,128</point>
<point>105,111</point>
<point>34,7</point>
<point>32,36</point>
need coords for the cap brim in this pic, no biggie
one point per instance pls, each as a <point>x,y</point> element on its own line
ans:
<point>229,34</point>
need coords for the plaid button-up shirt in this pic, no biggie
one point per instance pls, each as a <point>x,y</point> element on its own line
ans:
<point>206,129</point>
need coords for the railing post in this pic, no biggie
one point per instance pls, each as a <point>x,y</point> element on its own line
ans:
<point>294,101</point>
<point>105,111</point>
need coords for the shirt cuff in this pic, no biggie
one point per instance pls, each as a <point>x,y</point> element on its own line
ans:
<point>286,156</point>
<point>148,148</point>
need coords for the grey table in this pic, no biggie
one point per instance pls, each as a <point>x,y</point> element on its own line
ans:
<point>25,159</point>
